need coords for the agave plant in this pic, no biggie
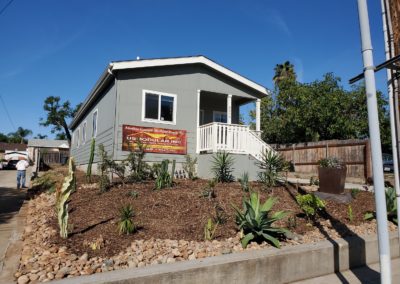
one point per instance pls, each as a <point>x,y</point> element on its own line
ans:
<point>222,167</point>
<point>125,224</point>
<point>256,221</point>
<point>164,178</point>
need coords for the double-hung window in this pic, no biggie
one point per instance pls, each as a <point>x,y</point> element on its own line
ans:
<point>94,123</point>
<point>159,107</point>
<point>84,133</point>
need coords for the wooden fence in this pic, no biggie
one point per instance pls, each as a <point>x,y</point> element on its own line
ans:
<point>305,156</point>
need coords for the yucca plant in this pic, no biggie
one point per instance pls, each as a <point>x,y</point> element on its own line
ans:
<point>164,178</point>
<point>62,199</point>
<point>256,221</point>
<point>272,165</point>
<point>244,182</point>
<point>125,224</point>
<point>222,167</point>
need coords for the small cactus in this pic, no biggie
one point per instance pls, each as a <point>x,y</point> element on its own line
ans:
<point>62,199</point>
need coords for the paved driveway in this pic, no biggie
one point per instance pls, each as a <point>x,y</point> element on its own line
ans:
<point>11,201</point>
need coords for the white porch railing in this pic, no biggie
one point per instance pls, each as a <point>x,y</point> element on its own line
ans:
<point>233,138</point>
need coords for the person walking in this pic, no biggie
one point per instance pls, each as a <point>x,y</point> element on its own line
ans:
<point>21,173</point>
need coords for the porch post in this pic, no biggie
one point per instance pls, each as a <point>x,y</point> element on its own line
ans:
<point>229,110</point>
<point>258,115</point>
<point>198,123</point>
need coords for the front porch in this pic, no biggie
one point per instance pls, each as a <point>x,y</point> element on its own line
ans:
<point>219,128</point>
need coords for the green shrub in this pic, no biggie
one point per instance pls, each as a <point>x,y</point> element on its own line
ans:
<point>310,204</point>
<point>125,224</point>
<point>354,192</point>
<point>391,206</point>
<point>190,167</point>
<point>103,169</point>
<point>209,190</point>
<point>331,162</point>
<point>256,223</point>
<point>244,182</point>
<point>209,230</point>
<point>91,157</point>
<point>164,178</point>
<point>138,168</point>
<point>314,181</point>
<point>222,167</point>
<point>272,165</point>
<point>46,182</point>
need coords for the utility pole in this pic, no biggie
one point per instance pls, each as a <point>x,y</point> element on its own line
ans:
<point>393,129</point>
<point>376,151</point>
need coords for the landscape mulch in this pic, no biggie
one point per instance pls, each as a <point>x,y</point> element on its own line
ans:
<point>180,213</point>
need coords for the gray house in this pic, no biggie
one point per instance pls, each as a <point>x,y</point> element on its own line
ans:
<point>176,106</point>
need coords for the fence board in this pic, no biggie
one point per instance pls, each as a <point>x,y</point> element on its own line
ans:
<point>305,156</point>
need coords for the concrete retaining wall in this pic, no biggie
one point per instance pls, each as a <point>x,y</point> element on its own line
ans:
<point>262,266</point>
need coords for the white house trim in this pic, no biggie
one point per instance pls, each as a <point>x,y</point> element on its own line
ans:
<point>84,132</point>
<point>229,109</point>
<point>144,119</point>
<point>187,60</point>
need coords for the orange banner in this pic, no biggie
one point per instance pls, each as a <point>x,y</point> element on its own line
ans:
<point>157,140</point>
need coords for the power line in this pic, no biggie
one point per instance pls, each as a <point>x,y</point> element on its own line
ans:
<point>7,113</point>
<point>6,6</point>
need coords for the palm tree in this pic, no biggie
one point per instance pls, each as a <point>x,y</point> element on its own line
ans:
<point>20,134</point>
<point>284,71</point>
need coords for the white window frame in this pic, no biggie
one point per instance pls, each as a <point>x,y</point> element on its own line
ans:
<point>215,112</point>
<point>77,137</point>
<point>144,119</point>
<point>84,132</point>
<point>94,134</point>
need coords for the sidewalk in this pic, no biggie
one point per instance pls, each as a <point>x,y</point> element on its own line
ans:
<point>347,184</point>
<point>367,274</point>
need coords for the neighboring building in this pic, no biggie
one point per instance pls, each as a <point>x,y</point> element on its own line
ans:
<point>14,151</point>
<point>176,106</point>
<point>49,151</point>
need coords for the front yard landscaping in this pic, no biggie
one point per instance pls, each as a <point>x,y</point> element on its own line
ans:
<point>192,219</point>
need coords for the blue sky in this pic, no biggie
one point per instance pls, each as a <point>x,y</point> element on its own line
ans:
<point>61,47</point>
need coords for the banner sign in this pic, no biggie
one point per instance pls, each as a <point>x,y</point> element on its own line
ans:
<point>156,140</point>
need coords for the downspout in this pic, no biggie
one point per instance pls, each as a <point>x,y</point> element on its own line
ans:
<point>110,71</point>
<point>388,54</point>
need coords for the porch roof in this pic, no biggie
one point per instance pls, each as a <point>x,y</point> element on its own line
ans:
<point>107,76</point>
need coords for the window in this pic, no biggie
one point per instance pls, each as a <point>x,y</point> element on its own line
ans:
<point>201,116</point>
<point>84,133</point>
<point>77,138</point>
<point>159,107</point>
<point>94,123</point>
<point>220,116</point>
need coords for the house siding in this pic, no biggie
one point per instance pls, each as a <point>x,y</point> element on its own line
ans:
<point>105,127</point>
<point>183,81</point>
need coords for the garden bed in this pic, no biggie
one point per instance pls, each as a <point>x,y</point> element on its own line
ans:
<point>171,226</point>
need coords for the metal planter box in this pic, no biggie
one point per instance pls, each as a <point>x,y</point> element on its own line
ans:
<point>331,180</point>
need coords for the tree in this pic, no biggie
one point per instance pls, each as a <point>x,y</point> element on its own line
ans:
<point>57,115</point>
<point>3,138</point>
<point>40,136</point>
<point>320,110</point>
<point>19,135</point>
<point>61,136</point>
<point>284,72</point>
